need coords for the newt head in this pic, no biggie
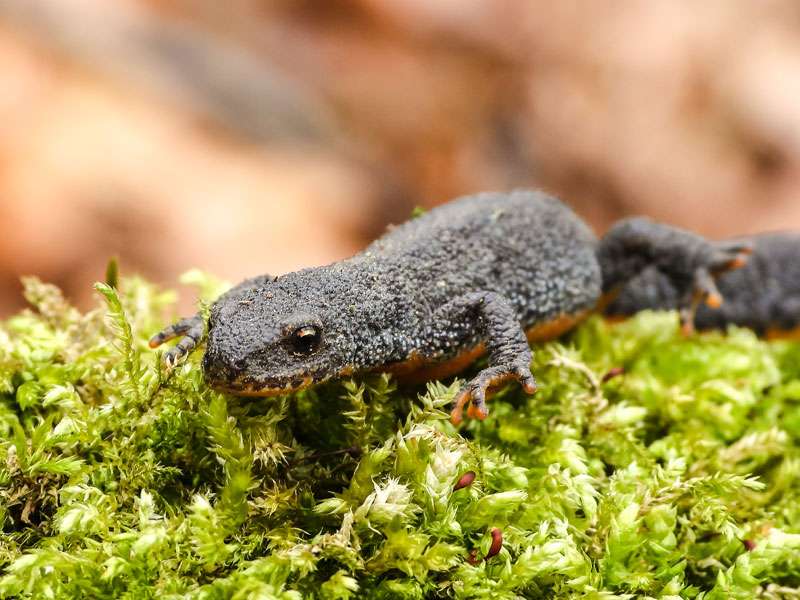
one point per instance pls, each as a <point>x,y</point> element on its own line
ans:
<point>267,342</point>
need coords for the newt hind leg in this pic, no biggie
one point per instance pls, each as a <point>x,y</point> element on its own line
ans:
<point>691,262</point>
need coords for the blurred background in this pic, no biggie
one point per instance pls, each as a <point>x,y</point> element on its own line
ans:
<point>256,136</point>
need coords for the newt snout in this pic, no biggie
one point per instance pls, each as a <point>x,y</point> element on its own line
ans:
<point>239,375</point>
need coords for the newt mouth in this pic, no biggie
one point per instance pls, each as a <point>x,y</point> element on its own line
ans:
<point>247,385</point>
<point>253,389</point>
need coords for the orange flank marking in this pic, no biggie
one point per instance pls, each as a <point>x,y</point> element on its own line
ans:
<point>606,299</point>
<point>551,330</point>
<point>417,369</point>
<point>615,318</point>
<point>775,333</point>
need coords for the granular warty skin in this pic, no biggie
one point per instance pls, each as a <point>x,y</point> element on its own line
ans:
<point>763,295</point>
<point>687,262</point>
<point>480,274</point>
<point>423,294</point>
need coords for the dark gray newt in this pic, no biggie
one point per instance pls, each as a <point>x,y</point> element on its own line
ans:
<point>763,295</point>
<point>481,274</point>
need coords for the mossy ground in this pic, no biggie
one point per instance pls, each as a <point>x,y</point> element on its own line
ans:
<point>676,479</point>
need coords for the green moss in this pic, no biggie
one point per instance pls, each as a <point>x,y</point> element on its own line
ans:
<point>678,479</point>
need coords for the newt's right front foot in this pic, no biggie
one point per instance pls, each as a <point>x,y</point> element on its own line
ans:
<point>192,330</point>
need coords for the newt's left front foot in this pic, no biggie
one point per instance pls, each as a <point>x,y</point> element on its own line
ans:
<point>501,332</point>
<point>473,394</point>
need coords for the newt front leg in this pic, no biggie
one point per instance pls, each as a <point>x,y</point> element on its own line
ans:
<point>499,328</point>
<point>191,328</point>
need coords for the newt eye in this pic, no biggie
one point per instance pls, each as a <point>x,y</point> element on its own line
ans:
<point>305,339</point>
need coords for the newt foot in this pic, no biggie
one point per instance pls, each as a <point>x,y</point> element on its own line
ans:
<point>721,258</point>
<point>191,328</point>
<point>474,393</point>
